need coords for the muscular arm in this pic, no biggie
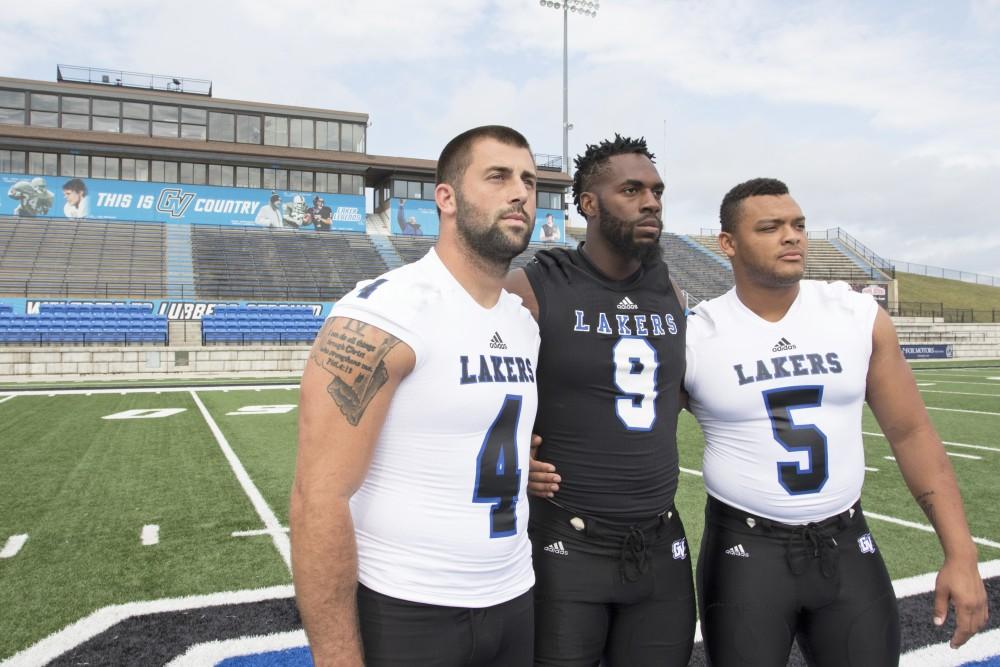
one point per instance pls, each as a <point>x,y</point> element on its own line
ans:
<point>349,380</point>
<point>542,478</point>
<point>899,409</point>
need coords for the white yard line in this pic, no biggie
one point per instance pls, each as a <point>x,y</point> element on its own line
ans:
<point>7,398</point>
<point>946,442</point>
<point>151,390</point>
<point>981,384</point>
<point>254,533</point>
<point>13,545</point>
<point>266,514</point>
<point>150,535</point>
<point>924,527</point>
<point>957,393</point>
<point>969,412</point>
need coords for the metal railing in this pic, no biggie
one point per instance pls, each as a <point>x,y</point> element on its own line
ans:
<point>858,248</point>
<point>948,274</point>
<point>112,77</point>
<point>944,312</point>
<point>551,162</point>
<point>838,234</point>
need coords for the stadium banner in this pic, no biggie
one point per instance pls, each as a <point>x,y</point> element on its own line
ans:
<point>100,199</point>
<point>878,292</point>
<point>174,309</point>
<point>418,217</point>
<point>933,351</point>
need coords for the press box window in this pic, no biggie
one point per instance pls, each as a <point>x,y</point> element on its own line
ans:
<point>11,107</point>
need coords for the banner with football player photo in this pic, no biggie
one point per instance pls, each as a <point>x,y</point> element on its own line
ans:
<point>100,199</point>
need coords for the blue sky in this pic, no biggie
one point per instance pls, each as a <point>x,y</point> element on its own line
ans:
<point>883,117</point>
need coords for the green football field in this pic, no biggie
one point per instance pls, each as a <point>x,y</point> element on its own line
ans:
<point>110,496</point>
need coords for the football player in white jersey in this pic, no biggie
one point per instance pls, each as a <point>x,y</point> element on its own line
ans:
<point>778,369</point>
<point>408,513</point>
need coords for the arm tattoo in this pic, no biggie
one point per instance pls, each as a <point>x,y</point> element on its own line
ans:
<point>354,354</point>
<point>924,500</point>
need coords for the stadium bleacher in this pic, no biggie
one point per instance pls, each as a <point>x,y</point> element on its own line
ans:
<point>83,324</point>
<point>260,324</point>
<point>278,264</point>
<point>81,258</point>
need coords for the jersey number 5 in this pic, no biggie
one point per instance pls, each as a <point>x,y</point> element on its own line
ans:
<point>635,376</point>
<point>798,438</point>
<point>498,479</point>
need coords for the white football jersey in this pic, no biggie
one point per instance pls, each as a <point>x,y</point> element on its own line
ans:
<point>442,515</point>
<point>780,402</point>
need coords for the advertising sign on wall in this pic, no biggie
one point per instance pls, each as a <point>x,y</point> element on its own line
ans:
<point>419,217</point>
<point>934,351</point>
<point>99,199</point>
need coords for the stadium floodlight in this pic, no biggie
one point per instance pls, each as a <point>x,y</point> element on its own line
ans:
<point>587,8</point>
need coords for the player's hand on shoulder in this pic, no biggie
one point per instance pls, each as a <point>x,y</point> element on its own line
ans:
<point>543,481</point>
<point>959,582</point>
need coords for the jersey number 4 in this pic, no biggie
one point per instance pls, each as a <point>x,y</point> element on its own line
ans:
<point>798,438</point>
<point>498,479</point>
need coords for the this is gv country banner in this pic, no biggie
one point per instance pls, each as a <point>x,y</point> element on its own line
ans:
<point>98,199</point>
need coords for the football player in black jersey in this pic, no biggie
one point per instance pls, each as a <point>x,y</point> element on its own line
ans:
<point>613,572</point>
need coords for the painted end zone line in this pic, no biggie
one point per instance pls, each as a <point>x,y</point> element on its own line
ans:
<point>266,514</point>
<point>90,626</point>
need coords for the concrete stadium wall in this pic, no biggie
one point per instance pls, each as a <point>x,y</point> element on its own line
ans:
<point>25,364</point>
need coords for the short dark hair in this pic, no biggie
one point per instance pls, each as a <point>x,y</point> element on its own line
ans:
<point>456,156</point>
<point>595,158</point>
<point>75,185</point>
<point>755,187</point>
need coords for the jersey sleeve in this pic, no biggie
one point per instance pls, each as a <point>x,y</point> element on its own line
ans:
<point>393,304</point>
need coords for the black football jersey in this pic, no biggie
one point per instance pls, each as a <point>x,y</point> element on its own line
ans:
<point>610,369</point>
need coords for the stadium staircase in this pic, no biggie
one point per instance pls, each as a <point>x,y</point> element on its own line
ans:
<point>377,225</point>
<point>180,265</point>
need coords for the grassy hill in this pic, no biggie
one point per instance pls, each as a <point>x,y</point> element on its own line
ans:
<point>954,294</point>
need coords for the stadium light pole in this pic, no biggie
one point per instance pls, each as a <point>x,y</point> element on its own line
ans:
<point>586,8</point>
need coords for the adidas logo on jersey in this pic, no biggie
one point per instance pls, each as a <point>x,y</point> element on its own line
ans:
<point>783,344</point>
<point>496,342</point>
<point>738,550</point>
<point>627,304</point>
<point>557,548</point>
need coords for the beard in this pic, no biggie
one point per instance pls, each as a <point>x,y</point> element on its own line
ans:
<point>771,277</point>
<point>620,235</point>
<point>485,236</point>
